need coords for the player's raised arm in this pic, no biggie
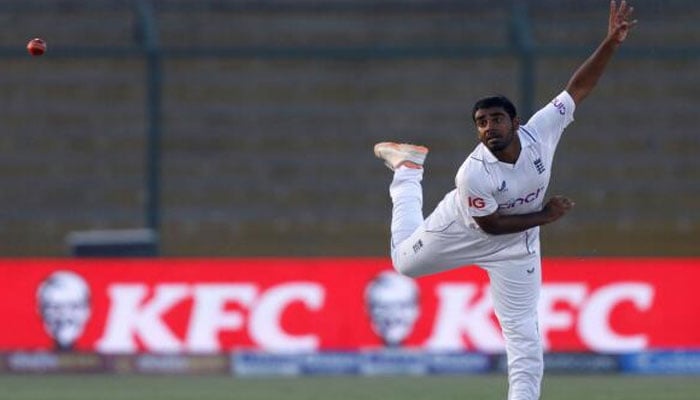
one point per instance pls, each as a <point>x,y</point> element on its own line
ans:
<point>586,76</point>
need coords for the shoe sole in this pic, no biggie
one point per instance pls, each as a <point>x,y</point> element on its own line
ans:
<point>408,152</point>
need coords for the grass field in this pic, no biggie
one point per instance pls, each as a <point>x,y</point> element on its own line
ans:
<point>479,387</point>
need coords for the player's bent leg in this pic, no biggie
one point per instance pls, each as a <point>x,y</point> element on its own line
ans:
<point>410,257</point>
<point>426,252</point>
<point>407,197</point>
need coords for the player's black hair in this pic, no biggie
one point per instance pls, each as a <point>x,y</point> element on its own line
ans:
<point>495,101</point>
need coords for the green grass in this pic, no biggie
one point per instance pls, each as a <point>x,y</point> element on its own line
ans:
<point>481,387</point>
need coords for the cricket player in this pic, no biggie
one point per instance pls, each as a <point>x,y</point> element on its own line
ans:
<point>492,217</point>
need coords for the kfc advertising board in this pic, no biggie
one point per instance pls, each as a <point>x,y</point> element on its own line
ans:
<point>334,304</point>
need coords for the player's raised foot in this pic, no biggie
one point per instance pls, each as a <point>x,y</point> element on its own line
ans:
<point>397,154</point>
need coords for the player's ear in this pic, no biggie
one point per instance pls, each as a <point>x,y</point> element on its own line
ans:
<point>516,122</point>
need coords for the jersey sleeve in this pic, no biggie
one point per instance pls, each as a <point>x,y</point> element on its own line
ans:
<point>473,187</point>
<point>547,125</point>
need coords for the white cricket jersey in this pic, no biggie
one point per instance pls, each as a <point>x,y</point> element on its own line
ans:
<point>485,185</point>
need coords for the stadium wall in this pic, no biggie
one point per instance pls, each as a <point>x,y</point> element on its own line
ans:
<point>263,106</point>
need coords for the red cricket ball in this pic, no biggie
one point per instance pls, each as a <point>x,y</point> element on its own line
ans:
<point>36,47</point>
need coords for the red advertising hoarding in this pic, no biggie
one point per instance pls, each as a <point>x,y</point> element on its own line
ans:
<point>312,304</point>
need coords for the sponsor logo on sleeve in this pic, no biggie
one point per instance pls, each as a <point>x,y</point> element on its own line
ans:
<point>559,105</point>
<point>476,202</point>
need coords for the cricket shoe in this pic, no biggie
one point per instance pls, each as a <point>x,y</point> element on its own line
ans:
<point>397,154</point>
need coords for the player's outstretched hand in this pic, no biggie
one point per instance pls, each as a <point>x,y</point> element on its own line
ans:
<point>557,206</point>
<point>619,23</point>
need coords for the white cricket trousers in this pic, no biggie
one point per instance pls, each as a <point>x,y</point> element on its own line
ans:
<point>421,247</point>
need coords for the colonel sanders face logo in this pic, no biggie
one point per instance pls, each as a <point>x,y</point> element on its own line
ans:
<point>392,304</point>
<point>64,304</point>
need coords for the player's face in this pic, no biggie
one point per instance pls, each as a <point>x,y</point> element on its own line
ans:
<point>496,128</point>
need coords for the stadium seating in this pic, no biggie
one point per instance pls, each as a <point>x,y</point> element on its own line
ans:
<point>266,142</point>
